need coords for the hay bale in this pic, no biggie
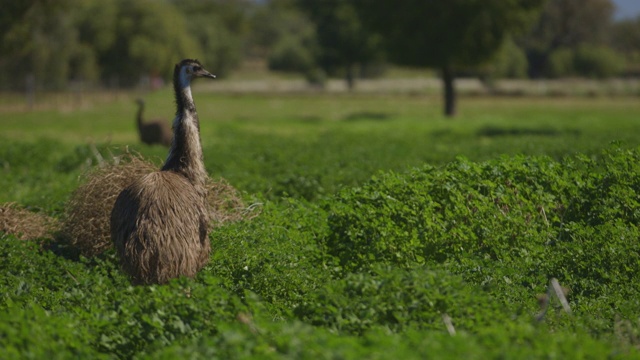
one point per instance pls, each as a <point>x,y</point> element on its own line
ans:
<point>86,222</point>
<point>25,224</point>
<point>225,204</point>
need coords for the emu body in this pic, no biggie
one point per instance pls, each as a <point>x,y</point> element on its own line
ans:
<point>159,222</point>
<point>154,131</point>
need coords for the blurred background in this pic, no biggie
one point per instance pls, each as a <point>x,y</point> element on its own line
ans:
<point>494,46</point>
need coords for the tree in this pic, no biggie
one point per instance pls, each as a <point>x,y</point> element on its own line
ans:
<point>149,38</point>
<point>586,60</point>
<point>446,34</point>
<point>343,41</point>
<point>566,24</point>
<point>625,38</point>
<point>286,37</point>
<point>40,42</point>
<point>54,42</point>
<point>219,27</point>
<point>12,12</point>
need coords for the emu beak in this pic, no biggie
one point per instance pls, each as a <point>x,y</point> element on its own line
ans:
<point>201,72</point>
<point>205,73</point>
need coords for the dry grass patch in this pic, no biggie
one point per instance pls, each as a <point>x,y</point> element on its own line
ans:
<point>85,224</point>
<point>25,224</point>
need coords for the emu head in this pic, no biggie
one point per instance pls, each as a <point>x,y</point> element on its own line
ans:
<point>189,69</point>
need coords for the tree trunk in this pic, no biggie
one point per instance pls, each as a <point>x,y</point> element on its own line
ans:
<point>350,78</point>
<point>448,80</point>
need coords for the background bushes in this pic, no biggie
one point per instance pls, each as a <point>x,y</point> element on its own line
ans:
<point>509,224</point>
<point>586,61</point>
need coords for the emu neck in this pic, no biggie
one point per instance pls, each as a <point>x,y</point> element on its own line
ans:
<point>185,155</point>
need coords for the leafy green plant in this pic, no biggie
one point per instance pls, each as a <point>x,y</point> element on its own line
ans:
<point>360,249</point>
<point>509,225</point>
<point>399,300</point>
<point>275,255</point>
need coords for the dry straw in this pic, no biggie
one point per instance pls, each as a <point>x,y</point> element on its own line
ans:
<point>25,224</point>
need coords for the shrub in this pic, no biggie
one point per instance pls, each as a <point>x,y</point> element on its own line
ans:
<point>598,62</point>
<point>430,215</point>
<point>399,300</point>
<point>290,54</point>
<point>298,341</point>
<point>367,272</point>
<point>509,225</point>
<point>275,255</point>
<point>30,332</point>
<point>510,62</point>
<point>561,63</point>
<point>92,301</point>
<point>587,61</point>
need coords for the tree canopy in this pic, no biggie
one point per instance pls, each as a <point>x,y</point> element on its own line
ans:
<point>51,44</point>
<point>446,34</point>
<point>343,40</point>
<point>565,25</point>
<point>116,42</point>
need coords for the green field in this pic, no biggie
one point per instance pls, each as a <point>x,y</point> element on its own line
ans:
<point>385,230</point>
<point>311,145</point>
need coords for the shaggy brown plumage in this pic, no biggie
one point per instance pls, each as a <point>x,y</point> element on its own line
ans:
<point>159,222</point>
<point>169,235</point>
<point>151,132</point>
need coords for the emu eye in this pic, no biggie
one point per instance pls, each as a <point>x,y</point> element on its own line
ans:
<point>196,68</point>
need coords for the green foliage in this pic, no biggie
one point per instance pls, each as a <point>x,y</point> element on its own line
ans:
<point>290,54</point>
<point>275,256</point>
<point>502,223</point>
<point>625,38</point>
<point>586,61</point>
<point>33,333</point>
<point>291,41</point>
<point>562,25</point>
<point>300,341</point>
<point>54,160</point>
<point>399,300</point>
<point>405,220</point>
<point>561,63</point>
<point>219,28</point>
<point>510,62</point>
<point>117,42</point>
<point>446,35</point>
<point>598,62</point>
<point>422,33</point>
<point>360,249</point>
<point>151,38</point>
<point>344,42</point>
<point>42,48</point>
<point>565,23</point>
<point>90,305</point>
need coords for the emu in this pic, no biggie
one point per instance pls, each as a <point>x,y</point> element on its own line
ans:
<point>156,131</point>
<point>159,222</point>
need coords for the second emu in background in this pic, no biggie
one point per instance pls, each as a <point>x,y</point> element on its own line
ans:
<point>156,131</point>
